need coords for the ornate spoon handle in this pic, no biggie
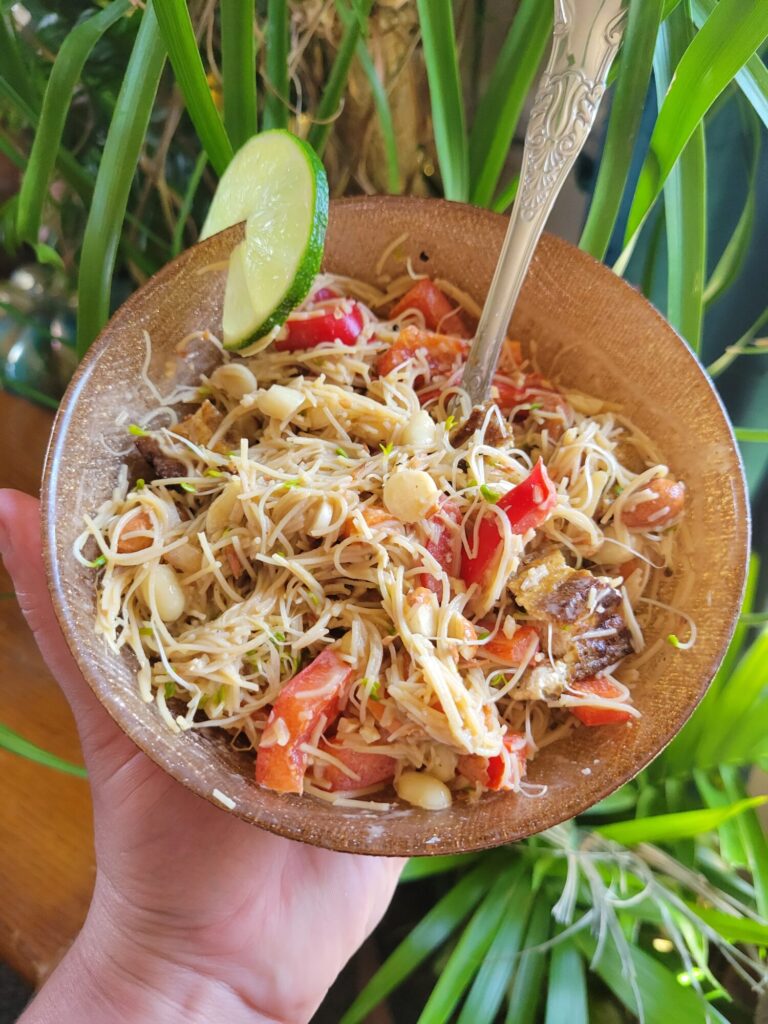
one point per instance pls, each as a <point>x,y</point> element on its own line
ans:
<point>586,37</point>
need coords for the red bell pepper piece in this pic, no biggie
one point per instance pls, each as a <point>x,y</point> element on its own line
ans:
<point>492,772</point>
<point>598,686</point>
<point>371,769</point>
<point>522,646</point>
<point>442,351</point>
<point>343,323</point>
<point>526,506</point>
<point>440,314</point>
<point>315,691</point>
<point>443,543</point>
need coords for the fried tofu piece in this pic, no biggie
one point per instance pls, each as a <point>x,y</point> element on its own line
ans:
<point>588,631</point>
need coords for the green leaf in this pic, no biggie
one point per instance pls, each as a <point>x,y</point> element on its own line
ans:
<point>752,79</point>
<point>238,70</point>
<point>733,256</point>
<point>507,195</point>
<point>381,102</point>
<point>430,933</point>
<point>47,254</point>
<point>738,348</point>
<point>57,101</point>
<point>731,846</point>
<point>176,27</point>
<point>439,45</point>
<point>11,741</point>
<point>492,980</point>
<point>567,986</point>
<point>665,828</point>
<point>336,82</point>
<point>752,836</point>
<point>685,197</point>
<point>186,205</point>
<point>122,148</point>
<point>751,434</point>
<point>527,988</point>
<point>424,867</point>
<point>626,113</point>
<point>277,90</point>
<point>620,802</point>
<point>738,701</point>
<point>12,61</point>
<point>470,950</point>
<point>69,168</point>
<point>726,41</point>
<point>498,113</point>
<point>664,999</point>
<point>732,928</point>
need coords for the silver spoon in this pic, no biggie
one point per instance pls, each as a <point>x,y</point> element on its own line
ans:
<point>586,37</point>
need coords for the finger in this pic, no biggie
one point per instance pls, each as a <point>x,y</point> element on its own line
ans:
<point>21,550</point>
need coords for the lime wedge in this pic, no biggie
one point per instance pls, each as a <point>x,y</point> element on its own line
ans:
<point>277,184</point>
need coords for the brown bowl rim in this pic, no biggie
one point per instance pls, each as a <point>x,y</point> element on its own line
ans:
<point>316,838</point>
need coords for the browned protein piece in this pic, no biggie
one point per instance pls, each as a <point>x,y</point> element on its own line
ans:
<point>200,427</point>
<point>494,434</point>
<point>197,428</point>
<point>162,464</point>
<point>573,602</point>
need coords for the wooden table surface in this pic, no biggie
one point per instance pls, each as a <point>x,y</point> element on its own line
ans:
<point>46,839</point>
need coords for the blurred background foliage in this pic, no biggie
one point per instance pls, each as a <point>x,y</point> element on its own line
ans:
<point>116,120</point>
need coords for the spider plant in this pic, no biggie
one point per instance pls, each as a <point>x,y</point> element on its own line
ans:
<point>653,905</point>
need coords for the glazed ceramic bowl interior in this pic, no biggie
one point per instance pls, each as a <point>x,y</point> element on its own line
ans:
<point>587,329</point>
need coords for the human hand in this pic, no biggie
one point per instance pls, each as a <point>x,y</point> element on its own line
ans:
<point>196,915</point>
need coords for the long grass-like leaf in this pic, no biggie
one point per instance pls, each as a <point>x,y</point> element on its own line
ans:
<point>429,934</point>
<point>70,169</point>
<point>731,846</point>
<point>113,183</point>
<point>752,79</point>
<point>752,435</point>
<point>179,36</point>
<point>65,74</point>
<point>735,253</point>
<point>186,205</point>
<point>735,706</point>
<point>12,62</point>
<point>506,197</point>
<point>384,112</point>
<point>276,65</point>
<point>9,148</point>
<point>739,347</point>
<point>566,986</point>
<point>752,836</point>
<point>665,828</point>
<point>336,82</point>
<point>424,867</point>
<point>498,112</point>
<point>465,960</point>
<point>624,123</point>
<point>663,998</point>
<point>685,204</point>
<point>238,69</point>
<point>11,741</point>
<point>732,928</point>
<point>526,990</point>
<point>439,44</point>
<point>726,41</point>
<point>492,980</point>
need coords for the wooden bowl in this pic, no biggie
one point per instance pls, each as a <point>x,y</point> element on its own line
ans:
<point>592,331</point>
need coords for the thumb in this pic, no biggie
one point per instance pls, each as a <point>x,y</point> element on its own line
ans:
<point>104,746</point>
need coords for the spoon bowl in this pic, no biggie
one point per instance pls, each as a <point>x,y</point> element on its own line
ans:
<point>586,329</point>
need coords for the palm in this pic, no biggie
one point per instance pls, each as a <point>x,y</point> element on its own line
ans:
<point>197,885</point>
